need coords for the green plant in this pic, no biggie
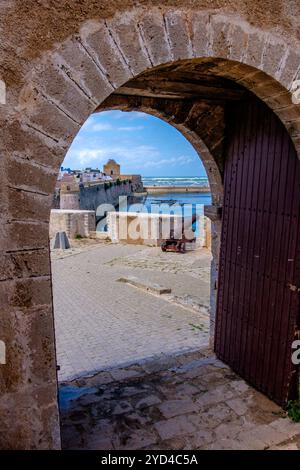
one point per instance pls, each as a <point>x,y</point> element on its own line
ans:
<point>78,237</point>
<point>196,327</point>
<point>293,410</point>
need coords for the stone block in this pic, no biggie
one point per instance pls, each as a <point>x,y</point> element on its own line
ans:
<point>19,235</point>
<point>145,285</point>
<point>26,175</point>
<point>220,36</point>
<point>174,427</point>
<point>273,55</point>
<point>239,42</point>
<point>177,30</point>
<point>28,205</point>
<point>201,33</point>
<point>126,34</point>
<point>84,71</point>
<point>60,241</point>
<point>97,37</point>
<point>256,43</point>
<point>23,141</point>
<point>152,25</point>
<point>53,123</point>
<point>148,401</point>
<point>58,86</point>
<point>289,68</point>
<point>172,408</point>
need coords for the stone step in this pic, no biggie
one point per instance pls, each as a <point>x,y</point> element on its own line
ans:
<point>145,285</point>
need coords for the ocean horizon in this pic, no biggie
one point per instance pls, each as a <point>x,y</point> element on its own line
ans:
<point>189,181</point>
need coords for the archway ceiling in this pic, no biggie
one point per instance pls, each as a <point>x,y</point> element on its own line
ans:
<point>183,82</point>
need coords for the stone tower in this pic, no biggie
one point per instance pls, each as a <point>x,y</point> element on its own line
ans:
<point>112,168</point>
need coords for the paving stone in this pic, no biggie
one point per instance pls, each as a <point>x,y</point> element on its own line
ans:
<point>261,437</point>
<point>223,417</point>
<point>213,378</point>
<point>231,429</point>
<point>122,407</point>
<point>238,405</point>
<point>132,391</point>
<point>225,444</point>
<point>198,372</point>
<point>185,390</point>
<point>123,374</point>
<point>151,400</point>
<point>290,446</point>
<point>218,394</point>
<point>239,386</point>
<point>177,407</point>
<point>286,426</point>
<point>136,440</point>
<point>174,427</point>
<point>199,439</point>
<point>160,364</point>
<point>212,416</point>
<point>100,378</point>
<point>100,443</point>
<point>88,399</point>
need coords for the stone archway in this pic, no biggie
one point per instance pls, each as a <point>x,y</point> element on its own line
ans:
<point>50,93</point>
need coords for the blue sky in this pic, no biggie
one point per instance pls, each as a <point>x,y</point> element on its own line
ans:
<point>141,143</point>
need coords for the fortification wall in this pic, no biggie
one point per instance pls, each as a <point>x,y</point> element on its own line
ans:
<point>92,196</point>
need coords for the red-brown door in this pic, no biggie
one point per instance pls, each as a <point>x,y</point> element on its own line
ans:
<point>259,271</point>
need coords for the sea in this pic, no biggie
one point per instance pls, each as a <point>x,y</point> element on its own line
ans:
<point>175,181</point>
<point>172,202</point>
<point>190,203</point>
<point>170,198</point>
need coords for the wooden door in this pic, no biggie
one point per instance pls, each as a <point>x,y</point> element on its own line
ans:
<point>259,271</point>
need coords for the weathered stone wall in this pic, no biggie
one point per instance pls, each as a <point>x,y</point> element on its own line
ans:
<point>57,73</point>
<point>89,197</point>
<point>73,222</point>
<point>93,196</point>
<point>152,229</point>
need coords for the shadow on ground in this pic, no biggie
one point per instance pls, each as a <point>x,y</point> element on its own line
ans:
<point>188,401</point>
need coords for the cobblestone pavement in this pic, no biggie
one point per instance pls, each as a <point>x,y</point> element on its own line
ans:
<point>101,323</point>
<point>187,401</point>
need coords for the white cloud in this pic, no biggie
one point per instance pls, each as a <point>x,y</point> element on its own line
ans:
<point>135,154</point>
<point>173,161</point>
<point>130,128</point>
<point>101,126</point>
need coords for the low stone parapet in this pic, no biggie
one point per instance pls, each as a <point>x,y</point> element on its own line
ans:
<point>76,223</point>
<point>152,229</point>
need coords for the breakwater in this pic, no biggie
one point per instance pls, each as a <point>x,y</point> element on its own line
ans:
<point>176,189</point>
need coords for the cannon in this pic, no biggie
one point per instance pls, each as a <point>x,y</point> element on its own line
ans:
<point>178,245</point>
